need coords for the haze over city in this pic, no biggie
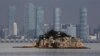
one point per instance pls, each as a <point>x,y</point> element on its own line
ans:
<point>66,27</point>
<point>70,10</point>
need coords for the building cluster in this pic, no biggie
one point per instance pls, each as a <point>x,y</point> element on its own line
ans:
<point>34,25</point>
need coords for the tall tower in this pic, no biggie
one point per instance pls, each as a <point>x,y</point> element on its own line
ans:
<point>32,16</point>
<point>15,29</point>
<point>57,19</point>
<point>84,27</point>
<point>40,21</point>
<point>11,20</point>
<point>30,21</point>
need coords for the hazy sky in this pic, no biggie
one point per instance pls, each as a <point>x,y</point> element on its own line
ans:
<point>70,10</point>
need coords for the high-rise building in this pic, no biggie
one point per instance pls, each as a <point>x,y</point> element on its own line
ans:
<point>71,30</point>
<point>11,20</point>
<point>84,27</point>
<point>15,29</point>
<point>57,19</point>
<point>30,21</point>
<point>40,21</point>
<point>32,16</point>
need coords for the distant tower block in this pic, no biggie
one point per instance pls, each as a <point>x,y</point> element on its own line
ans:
<point>30,21</point>
<point>15,29</point>
<point>57,19</point>
<point>12,16</point>
<point>40,21</point>
<point>31,17</point>
<point>84,27</point>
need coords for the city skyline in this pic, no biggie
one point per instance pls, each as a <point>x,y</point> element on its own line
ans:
<point>33,27</point>
<point>69,12</point>
<point>49,27</point>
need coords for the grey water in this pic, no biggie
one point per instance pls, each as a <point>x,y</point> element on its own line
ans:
<point>7,50</point>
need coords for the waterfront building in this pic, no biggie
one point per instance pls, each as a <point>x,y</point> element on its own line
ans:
<point>78,30</point>
<point>30,21</point>
<point>57,18</point>
<point>46,28</point>
<point>97,32</point>
<point>64,28</point>
<point>71,30</point>
<point>93,37</point>
<point>98,36</point>
<point>84,27</point>
<point>1,32</point>
<point>39,21</point>
<point>5,33</point>
<point>51,26</point>
<point>32,16</point>
<point>15,28</point>
<point>11,20</point>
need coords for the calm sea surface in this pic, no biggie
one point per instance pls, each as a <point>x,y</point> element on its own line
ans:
<point>7,50</point>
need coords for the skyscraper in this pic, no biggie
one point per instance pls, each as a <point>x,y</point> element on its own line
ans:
<point>84,27</point>
<point>57,19</point>
<point>40,21</point>
<point>32,16</point>
<point>11,20</point>
<point>30,21</point>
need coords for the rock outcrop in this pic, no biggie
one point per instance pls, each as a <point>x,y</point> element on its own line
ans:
<point>54,39</point>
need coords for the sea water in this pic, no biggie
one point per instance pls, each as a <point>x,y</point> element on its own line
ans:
<point>7,50</point>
